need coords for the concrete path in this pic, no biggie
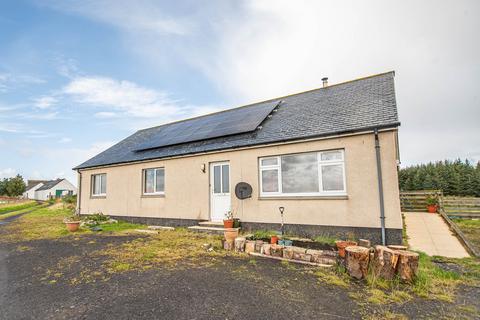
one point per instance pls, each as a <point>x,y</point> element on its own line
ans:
<point>429,233</point>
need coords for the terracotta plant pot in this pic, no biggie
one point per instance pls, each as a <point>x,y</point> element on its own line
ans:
<point>273,240</point>
<point>228,223</point>
<point>230,234</point>
<point>432,208</point>
<point>341,245</point>
<point>72,226</point>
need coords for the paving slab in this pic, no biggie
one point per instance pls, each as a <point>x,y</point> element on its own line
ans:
<point>429,233</point>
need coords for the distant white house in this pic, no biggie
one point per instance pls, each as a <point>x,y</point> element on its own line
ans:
<point>32,186</point>
<point>44,190</point>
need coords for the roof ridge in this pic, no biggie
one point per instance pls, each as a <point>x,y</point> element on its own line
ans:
<point>270,100</point>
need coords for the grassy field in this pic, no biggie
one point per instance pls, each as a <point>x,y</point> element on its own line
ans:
<point>140,252</point>
<point>471,230</point>
<point>47,223</point>
<point>17,206</point>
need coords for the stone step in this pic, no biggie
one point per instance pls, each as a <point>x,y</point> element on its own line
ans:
<point>215,230</point>
<point>217,224</point>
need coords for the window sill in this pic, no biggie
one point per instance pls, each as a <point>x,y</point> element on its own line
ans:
<point>98,197</point>
<point>162,195</point>
<point>303,198</point>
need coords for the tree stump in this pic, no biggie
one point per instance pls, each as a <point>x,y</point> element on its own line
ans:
<point>228,245</point>
<point>258,245</point>
<point>240,244</point>
<point>407,265</point>
<point>266,249</point>
<point>288,253</point>
<point>249,246</point>
<point>356,261</point>
<point>384,262</point>
<point>276,250</point>
<point>397,247</point>
<point>364,243</point>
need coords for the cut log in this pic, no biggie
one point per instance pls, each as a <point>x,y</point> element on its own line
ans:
<point>384,262</point>
<point>356,261</point>
<point>397,247</point>
<point>288,253</point>
<point>323,256</point>
<point>407,265</point>
<point>364,243</point>
<point>228,245</point>
<point>258,245</point>
<point>249,246</point>
<point>240,244</point>
<point>276,250</point>
<point>302,256</point>
<point>266,249</point>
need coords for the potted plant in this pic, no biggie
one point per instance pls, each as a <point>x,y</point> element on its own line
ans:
<point>228,221</point>
<point>432,204</point>
<point>236,222</point>
<point>72,222</point>
<point>287,242</point>
<point>273,239</point>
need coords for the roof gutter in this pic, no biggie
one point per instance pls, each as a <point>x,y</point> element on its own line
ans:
<point>380,185</point>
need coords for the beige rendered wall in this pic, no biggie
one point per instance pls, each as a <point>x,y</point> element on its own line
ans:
<point>187,187</point>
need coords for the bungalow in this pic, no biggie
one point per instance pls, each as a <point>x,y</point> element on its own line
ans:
<point>328,156</point>
<point>44,189</point>
<point>32,186</point>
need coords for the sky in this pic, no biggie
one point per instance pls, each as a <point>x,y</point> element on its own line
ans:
<point>78,76</point>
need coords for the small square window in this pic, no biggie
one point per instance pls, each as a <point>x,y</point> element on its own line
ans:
<point>154,181</point>
<point>99,184</point>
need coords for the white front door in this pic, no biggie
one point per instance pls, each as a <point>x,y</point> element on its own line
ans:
<point>219,190</point>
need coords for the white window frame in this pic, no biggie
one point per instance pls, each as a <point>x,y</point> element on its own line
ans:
<point>94,177</point>
<point>320,164</point>
<point>144,184</point>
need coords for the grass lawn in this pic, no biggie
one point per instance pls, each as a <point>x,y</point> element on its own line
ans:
<point>471,230</point>
<point>439,280</point>
<point>17,206</point>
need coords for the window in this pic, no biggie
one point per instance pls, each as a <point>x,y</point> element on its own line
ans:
<point>99,184</point>
<point>221,178</point>
<point>154,181</point>
<point>303,174</point>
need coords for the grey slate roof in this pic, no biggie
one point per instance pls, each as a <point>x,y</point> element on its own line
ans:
<point>33,183</point>
<point>352,106</point>
<point>49,184</point>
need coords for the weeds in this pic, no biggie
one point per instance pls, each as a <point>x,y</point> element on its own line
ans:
<point>324,239</point>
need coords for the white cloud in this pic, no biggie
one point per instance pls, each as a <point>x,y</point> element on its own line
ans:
<point>124,96</point>
<point>65,140</point>
<point>252,50</point>
<point>139,16</point>
<point>7,173</point>
<point>39,115</point>
<point>105,115</point>
<point>45,102</point>
<point>9,81</point>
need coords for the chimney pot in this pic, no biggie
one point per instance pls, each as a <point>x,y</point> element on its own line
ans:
<point>325,82</point>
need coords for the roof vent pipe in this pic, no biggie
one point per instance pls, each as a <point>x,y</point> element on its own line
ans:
<point>325,82</point>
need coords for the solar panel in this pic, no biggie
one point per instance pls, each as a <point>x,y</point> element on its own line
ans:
<point>229,122</point>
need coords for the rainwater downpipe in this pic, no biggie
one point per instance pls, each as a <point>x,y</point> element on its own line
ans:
<point>380,185</point>
<point>79,193</point>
